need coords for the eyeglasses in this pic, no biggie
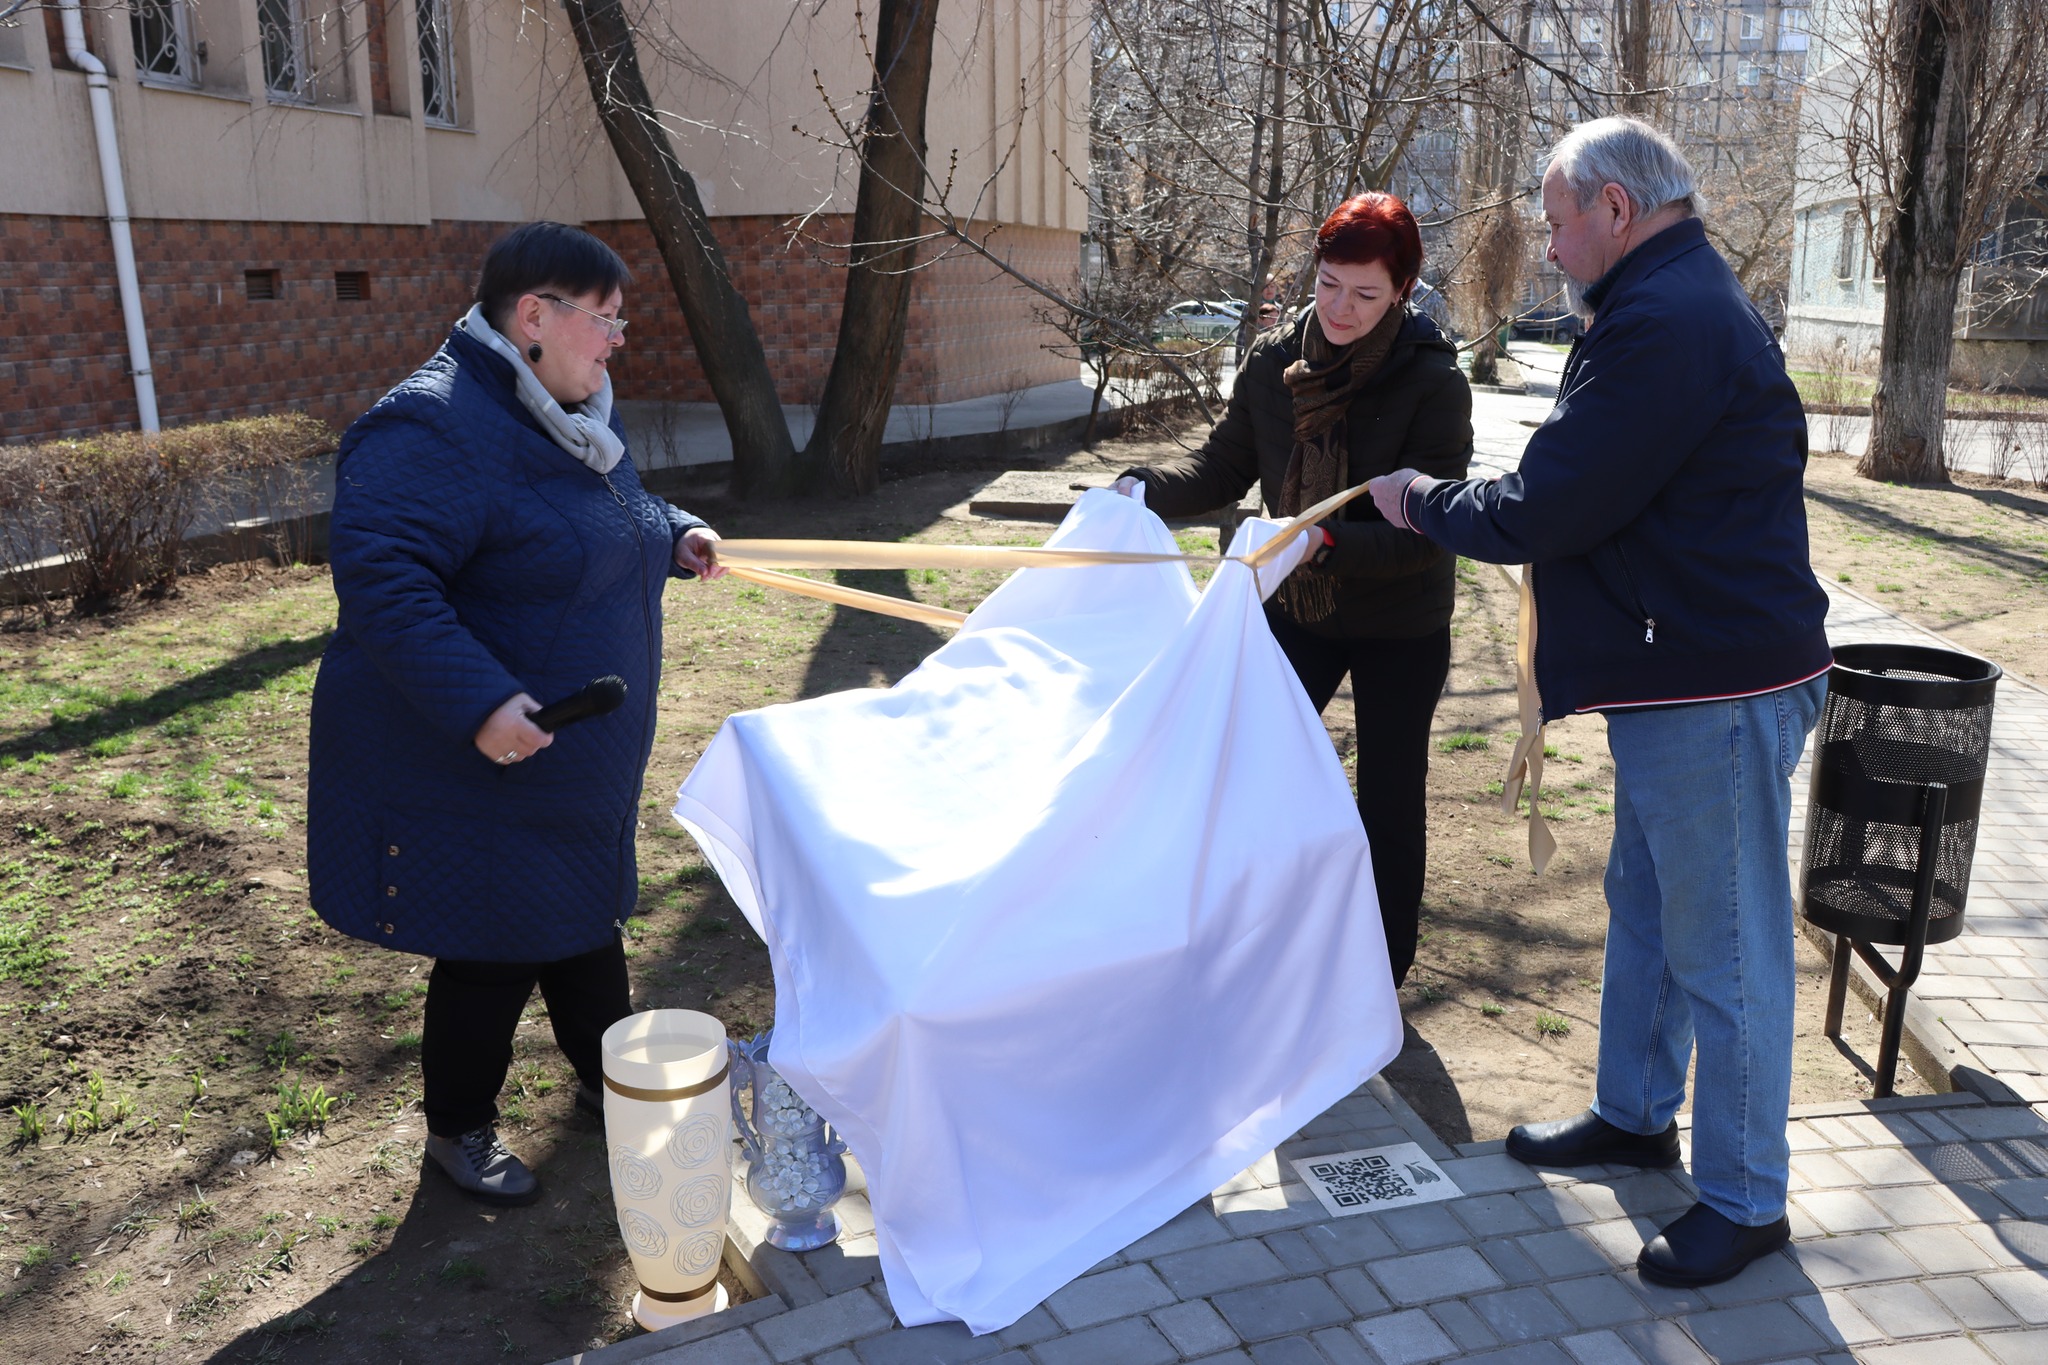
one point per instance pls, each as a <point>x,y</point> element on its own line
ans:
<point>614,328</point>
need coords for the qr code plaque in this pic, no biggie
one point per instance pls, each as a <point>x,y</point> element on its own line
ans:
<point>1383,1178</point>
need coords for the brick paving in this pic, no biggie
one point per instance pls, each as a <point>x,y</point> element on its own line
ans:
<point>1920,1225</point>
<point>1920,1234</point>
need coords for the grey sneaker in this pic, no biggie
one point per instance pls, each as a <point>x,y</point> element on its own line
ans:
<point>483,1168</point>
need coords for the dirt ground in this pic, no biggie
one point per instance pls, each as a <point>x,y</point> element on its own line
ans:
<point>171,1004</point>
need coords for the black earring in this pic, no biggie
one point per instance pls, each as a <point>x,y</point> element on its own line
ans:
<point>533,353</point>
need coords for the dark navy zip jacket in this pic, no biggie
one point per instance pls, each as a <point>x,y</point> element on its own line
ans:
<point>1661,503</point>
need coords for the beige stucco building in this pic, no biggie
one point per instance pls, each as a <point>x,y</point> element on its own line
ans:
<point>312,185</point>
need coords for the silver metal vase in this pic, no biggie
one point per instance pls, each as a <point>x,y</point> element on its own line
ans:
<point>797,1166</point>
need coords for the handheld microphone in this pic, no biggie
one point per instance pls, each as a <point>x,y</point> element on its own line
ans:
<point>600,696</point>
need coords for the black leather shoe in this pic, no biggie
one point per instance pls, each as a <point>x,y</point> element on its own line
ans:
<point>1704,1247</point>
<point>1590,1140</point>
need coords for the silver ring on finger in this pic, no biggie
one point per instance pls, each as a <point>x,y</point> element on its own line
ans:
<point>512,757</point>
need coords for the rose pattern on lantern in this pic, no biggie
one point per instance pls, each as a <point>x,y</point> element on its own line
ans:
<point>699,1201</point>
<point>695,1139</point>
<point>636,1176</point>
<point>643,1235</point>
<point>699,1252</point>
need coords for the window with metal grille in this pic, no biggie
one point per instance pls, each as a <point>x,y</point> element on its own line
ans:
<point>260,285</point>
<point>1846,254</point>
<point>163,40</point>
<point>437,60</point>
<point>282,27</point>
<point>351,286</point>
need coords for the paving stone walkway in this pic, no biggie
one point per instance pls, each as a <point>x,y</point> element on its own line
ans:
<point>1920,1232</point>
<point>1920,1226</point>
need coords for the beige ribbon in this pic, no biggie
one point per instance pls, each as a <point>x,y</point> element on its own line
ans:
<point>1527,759</point>
<point>757,561</point>
<point>846,597</point>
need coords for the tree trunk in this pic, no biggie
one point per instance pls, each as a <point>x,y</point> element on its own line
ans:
<point>1943,42</point>
<point>887,215</point>
<point>1265,236</point>
<point>729,349</point>
<point>1632,55</point>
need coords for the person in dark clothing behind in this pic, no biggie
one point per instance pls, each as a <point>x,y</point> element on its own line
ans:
<point>1357,385</point>
<point>1661,510</point>
<point>492,545</point>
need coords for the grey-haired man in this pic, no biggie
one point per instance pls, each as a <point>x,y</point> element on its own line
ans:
<point>1661,510</point>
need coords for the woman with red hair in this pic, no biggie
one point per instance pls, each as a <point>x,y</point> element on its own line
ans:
<point>1359,385</point>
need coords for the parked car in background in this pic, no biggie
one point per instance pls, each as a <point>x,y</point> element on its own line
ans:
<point>1433,305</point>
<point>1199,320</point>
<point>1549,322</point>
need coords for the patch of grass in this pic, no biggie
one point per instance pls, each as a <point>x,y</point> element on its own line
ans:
<point>383,1222</point>
<point>1552,1025</point>
<point>28,1124</point>
<point>300,1109</point>
<point>1500,859</point>
<point>33,1256</point>
<point>282,1050</point>
<point>208,1300</point>
<point>463,1271</point>
<point>197,1211</point>
<point>704,926</point>
<point>1463,740</point>
<point>1493,1009</point>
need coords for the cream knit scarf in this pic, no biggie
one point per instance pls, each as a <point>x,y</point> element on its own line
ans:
<point>585,433</point>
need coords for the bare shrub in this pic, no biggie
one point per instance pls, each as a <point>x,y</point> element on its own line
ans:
<point>1015,385</point>
<point>2033,453</point>
<point>114,510</point>
<point>1832,390</point>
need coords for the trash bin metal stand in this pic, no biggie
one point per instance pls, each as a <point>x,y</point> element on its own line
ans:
<point>1898,981</point>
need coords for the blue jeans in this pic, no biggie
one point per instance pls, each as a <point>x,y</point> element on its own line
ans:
<point>1699,936</point>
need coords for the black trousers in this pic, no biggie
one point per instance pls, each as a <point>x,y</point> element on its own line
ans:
<point>473,1009</point>
<point>1395,685</point>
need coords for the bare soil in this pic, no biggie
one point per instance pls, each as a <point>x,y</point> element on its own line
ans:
<point>154,927</point>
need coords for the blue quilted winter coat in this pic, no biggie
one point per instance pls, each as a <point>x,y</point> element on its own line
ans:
<point>475,559</point>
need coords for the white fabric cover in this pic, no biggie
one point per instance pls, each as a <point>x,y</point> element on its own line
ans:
<point>1068,927</point>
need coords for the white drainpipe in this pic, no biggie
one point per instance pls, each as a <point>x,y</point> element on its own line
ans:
<point>102,101</point>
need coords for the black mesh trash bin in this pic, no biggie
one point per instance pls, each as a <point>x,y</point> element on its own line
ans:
<point>1891,824</point>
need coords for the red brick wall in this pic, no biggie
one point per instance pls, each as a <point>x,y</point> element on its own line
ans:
<point>971,330</point>
<point>375,21</point>
<point>216,354</point>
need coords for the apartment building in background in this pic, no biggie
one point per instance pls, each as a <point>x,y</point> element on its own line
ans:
<point>312,183</point>
<point>1835,317</point>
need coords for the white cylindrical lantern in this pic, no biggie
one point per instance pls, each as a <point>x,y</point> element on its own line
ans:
<point>667,1128</point>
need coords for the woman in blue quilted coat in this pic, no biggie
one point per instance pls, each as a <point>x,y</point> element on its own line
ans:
<point>491,546</point>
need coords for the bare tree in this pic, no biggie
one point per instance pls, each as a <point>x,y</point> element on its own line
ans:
<point>1946,125</point>
<point>887,216</point>
<point>1494,236</point>
<point>764,459</point>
